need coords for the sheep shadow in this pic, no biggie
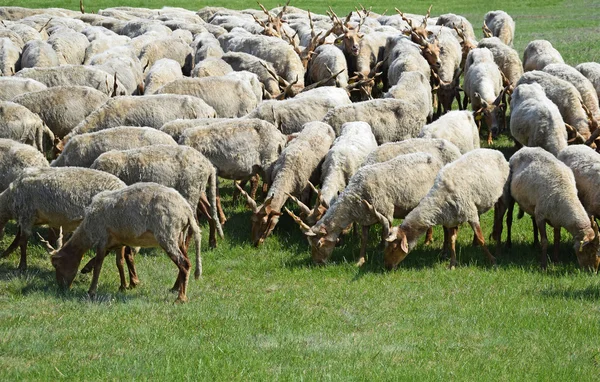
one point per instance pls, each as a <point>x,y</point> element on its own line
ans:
<point>589,293</point>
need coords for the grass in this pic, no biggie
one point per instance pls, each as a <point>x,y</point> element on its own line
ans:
<point>268,314</point>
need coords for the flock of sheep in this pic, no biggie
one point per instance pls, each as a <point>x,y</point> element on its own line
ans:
<point>141,111</point>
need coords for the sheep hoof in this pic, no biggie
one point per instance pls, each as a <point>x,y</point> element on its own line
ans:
<point>361,262</point>
<point>181,300</point>
<point>452,266</point>
<point>133,283</point>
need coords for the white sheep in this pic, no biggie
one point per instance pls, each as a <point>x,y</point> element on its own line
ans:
<point>501,25</point>
<point>10,87</point>
<point>457,127</point>
<point>15,157</point>
<point>20,124</point>
<point>161,73</point>
<point>538,54</point>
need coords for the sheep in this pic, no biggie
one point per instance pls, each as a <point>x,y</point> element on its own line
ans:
<point>585,164</point>
<point>10,57</point>
<point>173,48</point>
<point>505,57</point>
<point>206,46</point>
<point>181,168</point>
<point>138,27</point>
<point>390,119</point>
<point>344,158</point>
<point>501,25</point>
<point>24,32</point>
<point>440,148</point>
<point>463,190</point>
<point>74,75</point>
<point>393,187</point>
<point>298,163</point>
<point>535,120</point>
<point>240,99</point>
<point>144,215</point>
<point>252,80</point>
<point>545,188</point>
<point>591,70</point>
<point>15,158</point>
<point>451,20</point>
<point>244,61</point>
<point>121,62</point>
<point>538,54</point>
<point>271,49</point>
<point>176,127</point>
<point>483,86</point>
<point>153,111</point>
<point>69,45</point>
<point>565,96</point>
<point>413,87</point>
<point>38,53</point>
<point>457,127</point>
<point>402,55</point>
<point>45,195</point>
<point>582,84</point>
<point>83,149</point>
<point>62,107</point>
<point>291,114</point>
<point>212,67</point>
<point>10,87</point>
<point>161,73</point>
<point>20,124</point>
<point>103,44</point>
<point>328,59</point>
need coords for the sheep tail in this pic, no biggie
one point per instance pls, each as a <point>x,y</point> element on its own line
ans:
<point>197,239</point>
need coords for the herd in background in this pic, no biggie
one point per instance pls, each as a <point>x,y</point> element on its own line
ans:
<point>143,110</point>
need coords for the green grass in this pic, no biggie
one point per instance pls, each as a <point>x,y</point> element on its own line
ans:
<point>267,313</point>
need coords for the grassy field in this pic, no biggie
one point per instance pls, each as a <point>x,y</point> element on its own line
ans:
<point>268,314</point>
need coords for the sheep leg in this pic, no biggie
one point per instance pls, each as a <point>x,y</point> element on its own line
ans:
<point>204,210</point>
<point>220,209</point>
<point>452,234</point>
<point>363,245</point>
<point>479,235</point>
<point>446,245</point>
<point>13,246</point>
<point>465,102</point>
<point>100,255</point>
<point>509,218</point>
<point>183,264</point>
<point>429,236</point>
<point>460,105</point>
<point>183,248</point>
<point>541,225</point>
<point>490,140</point>
<point>555,257</point>
<point>89,266</point>
<point>120,260</point>
<point>536,241</point>
<point>129,260</point>
<point>254,185</point>
<point>23,245</point>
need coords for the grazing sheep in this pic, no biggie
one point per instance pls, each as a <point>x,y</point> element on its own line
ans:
<point>501,25</point>
<point>402,55</point>
<point>296,166</point>
<point>441,149</point>
<point>74,75</point>
<point>457,127</point>
<point>45,195</point>
<point>15,157</point>
<point>582,84</point>
<point>565,96</point>
<point>585,164</point>
<point>83,149</point>
<point>540,53</point>
<point>413,87</point>
<point>240,99</point>
<point>10,57</point>
<point>206,46</point>
<point>176,127</point>
<point>141,215</point>
<point>24,32</point>
<point>463,190</point>
<point>535,121</point>
<point>103,44</point>
<point>212,67</point>
<point>38,53</point>
<point>153,111</point>
<point>327,60</point>
<point>390,119</point>
<point>291,114</point>
<point>505,57</point>
<point>451,20</point>
<point>243,61</point>
<point>173,48</point>
<point>545,188</point>
<point>21,125</point>
<point>161,73</point>
<point>393,187</point>
<point>181,168</point>
<point>69,46</point>
<point>10,87</point>
<point>122,63</point>
<point>591,70</point>
<point>62,107</point>
<point>448,72</point>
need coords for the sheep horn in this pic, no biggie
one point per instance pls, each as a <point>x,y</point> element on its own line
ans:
<point>302,206</point>
<point>59,242</point>
<point>249,200</point>
<point>81,8</point>
<point>303,226</point>
<point>382,219</point>
<point>487,32</point>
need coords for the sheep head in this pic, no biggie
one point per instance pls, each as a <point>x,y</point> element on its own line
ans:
<point>65,260</point>
<point>274,25</point>
<point>396,248</point>
<point>588,249</point>
<point>263,222</point>
<point>349,36</point>
<point>494,114</point>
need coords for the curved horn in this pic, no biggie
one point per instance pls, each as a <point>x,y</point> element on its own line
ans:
<point>303,226</point>
<point>303,207</point>
<point>312,187</point>
<point>249,200</point>
<point>382,219</point>
<point>59,242</point>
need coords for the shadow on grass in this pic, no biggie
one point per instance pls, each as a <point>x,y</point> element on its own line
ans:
<point>590,293</point>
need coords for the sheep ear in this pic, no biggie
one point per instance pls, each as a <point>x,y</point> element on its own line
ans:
<point>404,244</point>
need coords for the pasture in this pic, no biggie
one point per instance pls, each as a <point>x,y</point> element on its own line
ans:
<point>269,314</point>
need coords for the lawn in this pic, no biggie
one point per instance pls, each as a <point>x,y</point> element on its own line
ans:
<point>268,314</point>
